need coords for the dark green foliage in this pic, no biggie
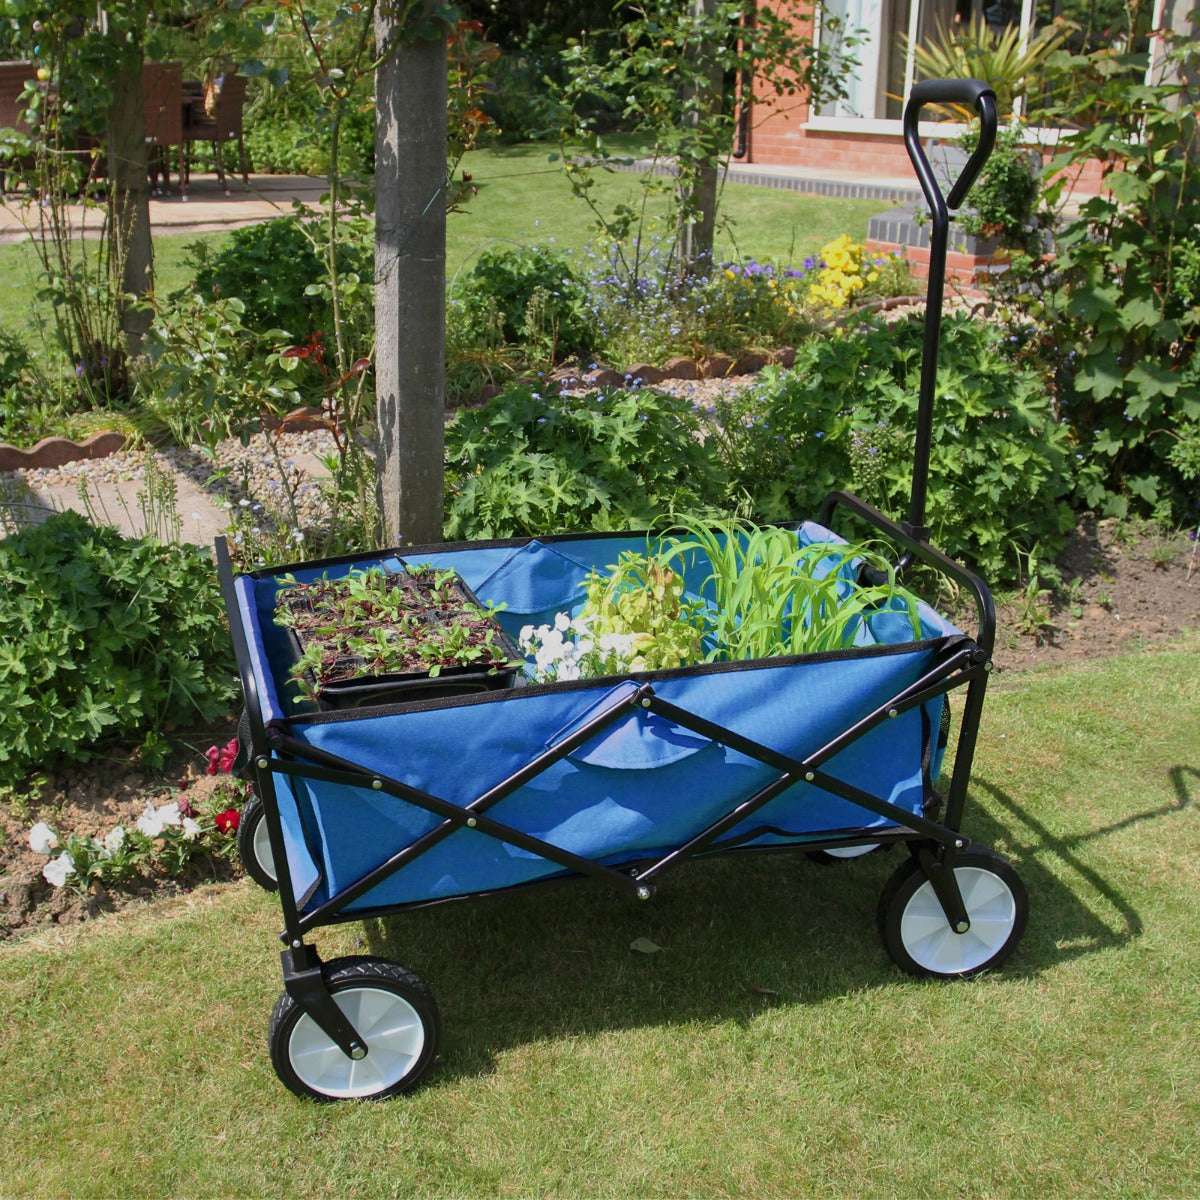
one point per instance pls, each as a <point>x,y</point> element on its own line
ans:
<point>1116,310</point>
<point>275,271</point>
<point>103,638</point>
<point>527,464</point>
<point>845,415</point>
<point>540,302</point>
<point>1004,199</point>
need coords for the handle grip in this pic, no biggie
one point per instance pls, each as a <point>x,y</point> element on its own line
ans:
<point>972,93</point>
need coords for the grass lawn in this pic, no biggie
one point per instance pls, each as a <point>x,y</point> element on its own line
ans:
<point>769,1050</point>
<point>523,198</point>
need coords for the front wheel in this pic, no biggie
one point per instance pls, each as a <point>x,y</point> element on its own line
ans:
<point>917,935</point>
<point>390,1008</point>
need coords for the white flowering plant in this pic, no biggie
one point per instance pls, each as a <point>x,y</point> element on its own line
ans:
<point>635,619</point>
<point>163,840</point>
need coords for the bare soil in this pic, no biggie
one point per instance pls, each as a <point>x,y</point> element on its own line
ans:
<point>1126,588</point>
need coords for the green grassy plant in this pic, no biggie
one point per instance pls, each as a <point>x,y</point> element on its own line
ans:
<point>769,595</point>
<point>768,1048</point>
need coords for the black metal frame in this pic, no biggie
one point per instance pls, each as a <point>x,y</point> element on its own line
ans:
<point>962,662</point>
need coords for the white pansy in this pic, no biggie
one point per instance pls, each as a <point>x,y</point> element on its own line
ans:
<point>57,869</point>
<point>191,829</point>
<point>169,814</point>
<point>43,839</point>
<point>150,823</point>
<point>114,840</point>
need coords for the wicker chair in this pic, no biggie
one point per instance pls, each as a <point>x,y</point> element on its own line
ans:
<point>13,114</point>
<point>162,112</point>
<point>224,125</point>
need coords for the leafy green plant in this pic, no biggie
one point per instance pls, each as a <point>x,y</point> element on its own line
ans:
<point>271,269</point>
<point>1115,314</point>
<point>1004,200</point>
<point>999,473</point>
<point>102,639</point>
<point>531,297</point>
<point>770,595</point>
<point>206,376</point>
<point>524,463</point>
<point>1015,68</point>
<point>372,623</point>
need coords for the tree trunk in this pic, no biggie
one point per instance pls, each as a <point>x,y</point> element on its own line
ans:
<point>410,280</point>
<point>698,199</point>
<point>129,200</point>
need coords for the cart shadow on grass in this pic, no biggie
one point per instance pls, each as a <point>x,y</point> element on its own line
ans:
<point>727,941</point>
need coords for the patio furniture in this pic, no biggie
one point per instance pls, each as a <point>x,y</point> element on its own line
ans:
<point>162,111</point>
<point>14,115</point>
<point>217,127</point>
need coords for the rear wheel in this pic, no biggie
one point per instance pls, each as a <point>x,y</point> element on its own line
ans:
<point>841,854</point>
<point>917,935</point>
<point>254,845</point>
<point>390,1008</point>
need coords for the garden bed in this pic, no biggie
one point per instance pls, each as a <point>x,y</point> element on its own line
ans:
<point>1135,592</point>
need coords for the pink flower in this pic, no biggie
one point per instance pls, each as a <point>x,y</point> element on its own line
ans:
<point>229,755</point>
<point>221,759</point>
<point>228,821</point>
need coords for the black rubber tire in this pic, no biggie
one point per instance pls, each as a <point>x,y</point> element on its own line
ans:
<point>997,906</point>
<point>256,855</point>
<point>242,760</point>
<point>359,985</point>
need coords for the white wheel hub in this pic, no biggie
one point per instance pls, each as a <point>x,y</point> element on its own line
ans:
<point>389,1025</point>
<point>935,947</point>
<point>262,849</point>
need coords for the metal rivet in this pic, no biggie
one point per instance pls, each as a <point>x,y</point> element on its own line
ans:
<point>377,784</point>
<point>987,666</point>
<point>643,893</point>
<point>471,822</point>
<point>892,712</point>
<point>358,1053</point>
<point>261,764</point>
<point>962,927</point>
<point>297,944</point>
<point>959,844</point>
<point>646,703</point>
<point>809,776</point>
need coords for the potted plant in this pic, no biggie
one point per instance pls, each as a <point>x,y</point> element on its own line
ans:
<point>378,636</point>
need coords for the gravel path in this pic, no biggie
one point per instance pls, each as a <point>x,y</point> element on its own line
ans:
<point>127,489</point>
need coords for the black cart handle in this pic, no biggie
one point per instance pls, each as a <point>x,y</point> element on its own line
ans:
<point>979,95</point>
<point>970,93</point>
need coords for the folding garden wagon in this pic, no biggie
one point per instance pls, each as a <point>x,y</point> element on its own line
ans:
<point>455,787</point>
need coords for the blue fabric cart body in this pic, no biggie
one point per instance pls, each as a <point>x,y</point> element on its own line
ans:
<point>638,788</point>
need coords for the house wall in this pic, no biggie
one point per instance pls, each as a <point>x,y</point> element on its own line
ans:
<point>778,136</point>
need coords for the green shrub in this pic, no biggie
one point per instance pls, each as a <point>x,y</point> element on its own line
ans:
<point>102,639</point>
<point>206,376</point>
<point>845,415</point>
<point>1115,311</point>
<point>524,464</point>
<point>276,272</point>
<point>532,295</point>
